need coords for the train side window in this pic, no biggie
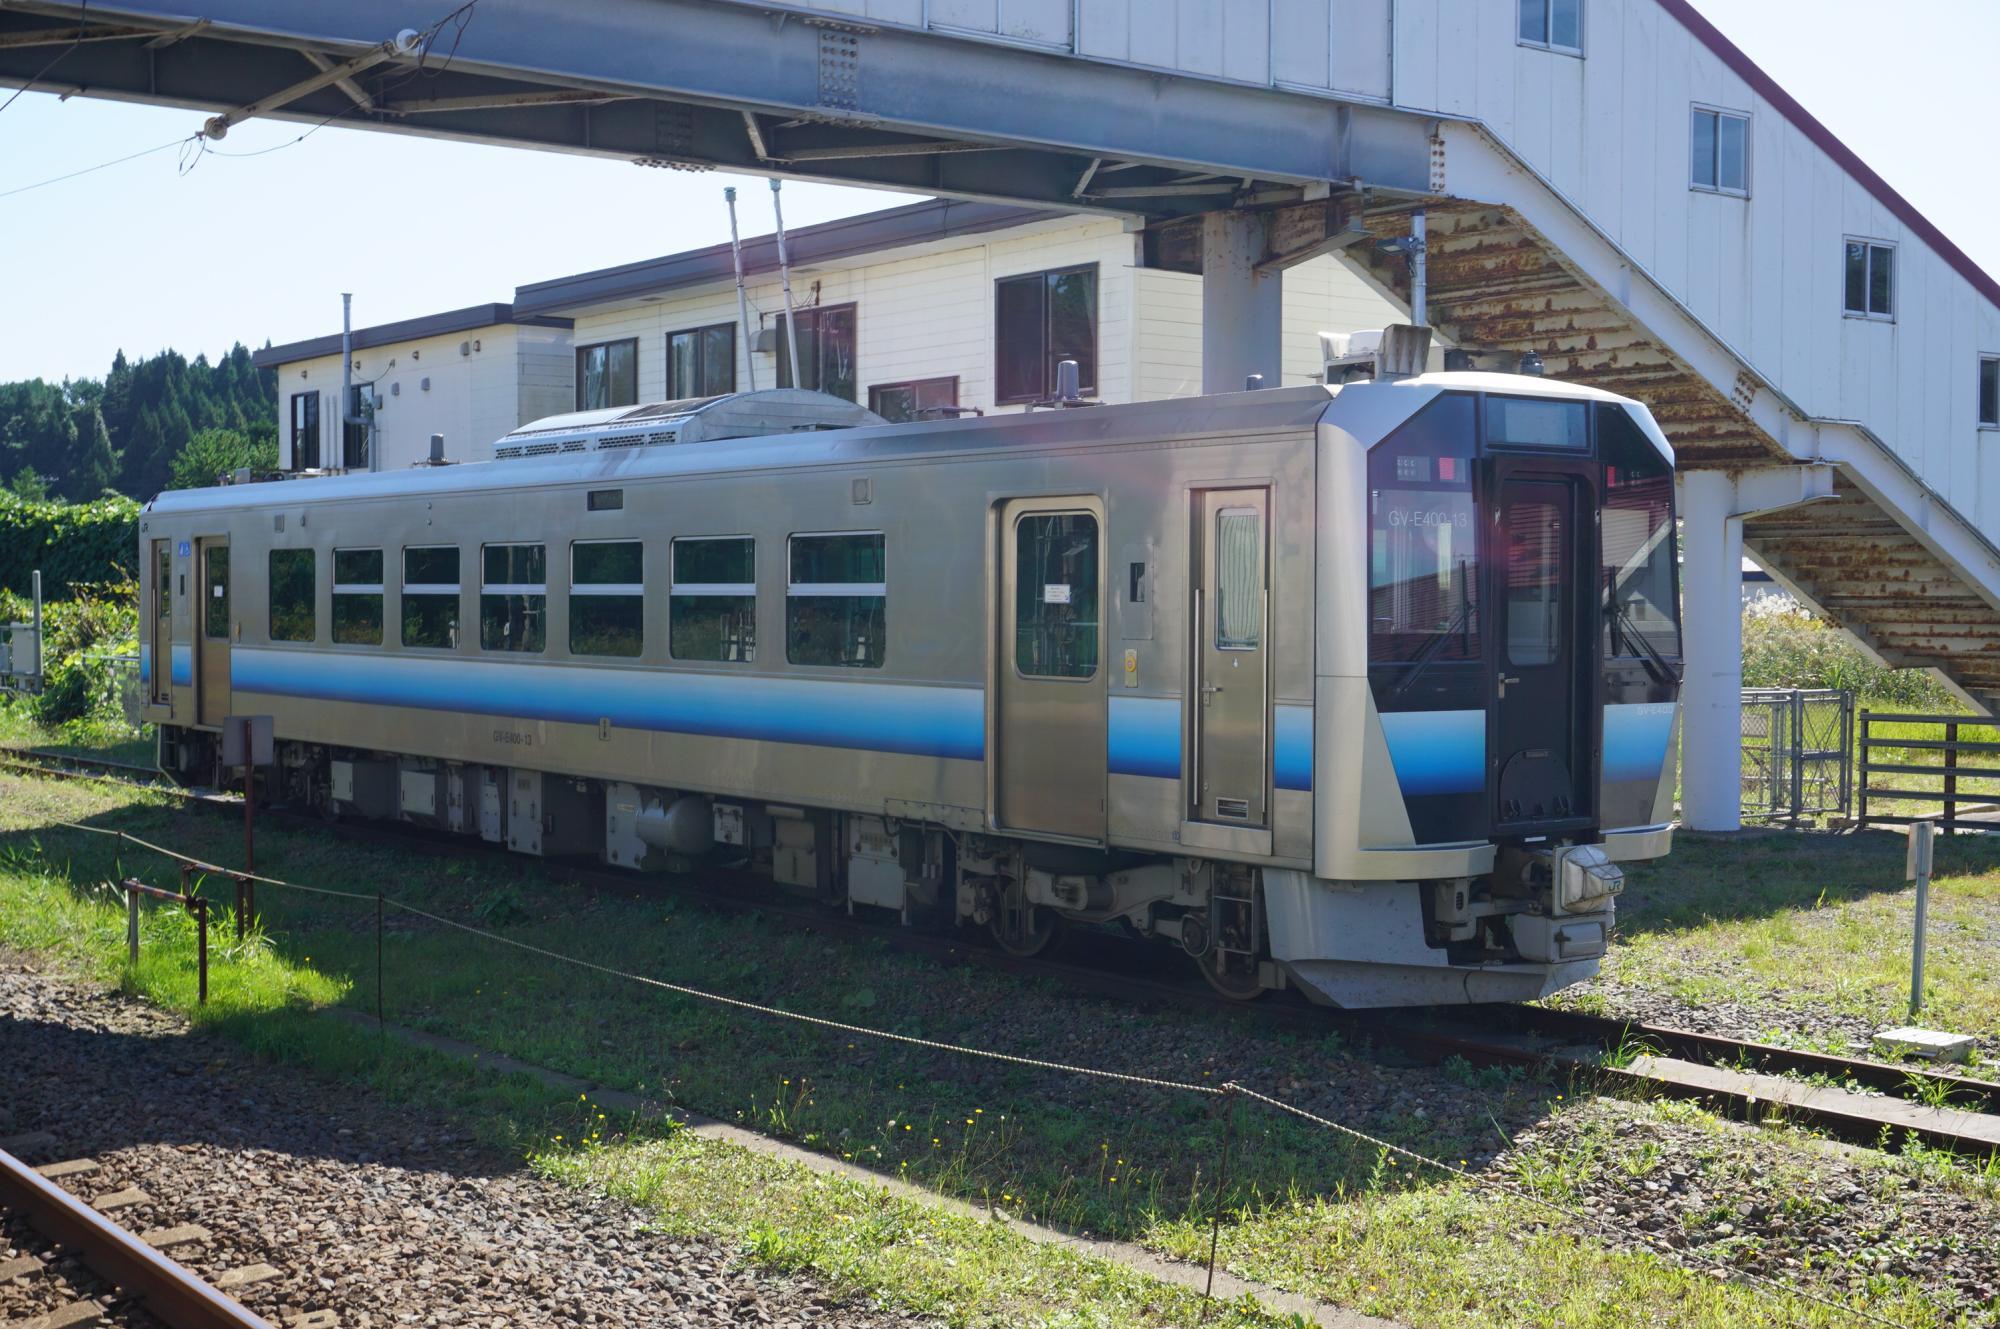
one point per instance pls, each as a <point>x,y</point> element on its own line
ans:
<point>215,604</point>
<point>293,594</point>
<point>712,601</point>
<point>836,600</point>
<point>1055,595</point>
<point>607,598</point>
<point>357,597</point>
<point>514,598</point>
<point>430,597</point>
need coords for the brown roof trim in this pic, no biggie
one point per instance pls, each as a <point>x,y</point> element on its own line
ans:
<point>469,319</point>
<point>1766,87</point>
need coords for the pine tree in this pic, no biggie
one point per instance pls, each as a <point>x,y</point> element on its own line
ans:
<point>96,465</point>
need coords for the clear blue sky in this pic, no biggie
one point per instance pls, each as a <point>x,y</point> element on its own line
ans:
<point>141,256</point>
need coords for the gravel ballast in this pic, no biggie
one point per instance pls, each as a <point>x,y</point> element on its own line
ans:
<point>380,1215</point>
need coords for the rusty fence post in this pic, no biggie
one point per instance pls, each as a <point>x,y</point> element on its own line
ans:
<point>131,925</point>
<point>1950,774</point>
<point>200,907</point>
<point>381,1026</point>
<point>1223,1185</point>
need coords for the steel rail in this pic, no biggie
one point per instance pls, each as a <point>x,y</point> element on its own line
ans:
<point>1572,1042</point>
<point>168,1291</point>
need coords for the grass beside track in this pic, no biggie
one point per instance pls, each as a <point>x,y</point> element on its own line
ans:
<point>1306,1210</point>
<point>1805,925</point>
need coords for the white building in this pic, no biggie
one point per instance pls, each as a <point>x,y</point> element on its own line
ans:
<point>933,304</point>
<point>469,374</point>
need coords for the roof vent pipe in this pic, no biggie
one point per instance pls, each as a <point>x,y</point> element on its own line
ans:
<point>785,280</point>
<point>742,300</point>
<point>1252,382</point>
<point>346,372</point>
<point>1069,382</point>
<point>437,449</point>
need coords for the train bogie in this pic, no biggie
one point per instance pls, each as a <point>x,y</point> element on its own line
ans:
<point>1363,690</point>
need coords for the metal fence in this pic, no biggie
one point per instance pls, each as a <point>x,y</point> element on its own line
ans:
<point>123,675</point>
<point>1927,776</point>
<point>1798,747</point>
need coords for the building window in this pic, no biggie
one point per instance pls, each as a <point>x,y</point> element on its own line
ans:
<point>1871,279</point>
<point>357,597</point>
<point>1041,320</point>
<point>355,429</point>
<point>305,431</point>
<point>836,600</point>
<point>607,598</point>
<point>430,597</point>
<point>607,374</point>
<point>712,602</point>
<point>1719,151</point>
<point>514,598</point>
<point>1989,391</point>
<point>826,350</point>
<point>701,362</point>
<point>1555,25</point>
<point>915,400</point>
<point>292,595</point>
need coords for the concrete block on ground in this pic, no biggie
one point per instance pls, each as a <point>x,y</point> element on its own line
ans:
<point>1931,1044</point>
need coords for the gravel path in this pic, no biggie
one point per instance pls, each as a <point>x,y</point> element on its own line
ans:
<point>381,1216</point>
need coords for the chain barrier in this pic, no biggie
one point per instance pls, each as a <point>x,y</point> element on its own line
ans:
<point>1228,1091</point>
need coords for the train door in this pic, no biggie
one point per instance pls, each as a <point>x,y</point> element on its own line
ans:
<point>1229,762</point>
<point>1049,729</point>
<point>160,629</point>
<point>1540,776</point>
<point>214,625</point>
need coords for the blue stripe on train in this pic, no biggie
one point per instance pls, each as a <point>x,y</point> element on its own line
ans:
<point>183,666</point>
<point>879,717</point>
<point>1635,739</point>
<point>1145,739</point>
<point>145,664</point>
<point>1444,752</point>
<point>1437,752</point>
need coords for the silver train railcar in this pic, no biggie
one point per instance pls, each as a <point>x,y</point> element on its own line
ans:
<point>1362,689</point>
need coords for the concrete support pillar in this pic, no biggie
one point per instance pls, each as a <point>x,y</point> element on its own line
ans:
<point>1712,628</point>
<point>1242,312</point>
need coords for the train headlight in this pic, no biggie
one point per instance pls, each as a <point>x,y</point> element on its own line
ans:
<point>1586,879</point>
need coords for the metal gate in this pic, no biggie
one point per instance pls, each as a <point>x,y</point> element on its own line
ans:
<point>1798,746</point>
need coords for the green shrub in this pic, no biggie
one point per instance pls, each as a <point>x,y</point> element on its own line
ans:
<point>1787,646</point>
<point>78,687</point>
<point>72,544</point>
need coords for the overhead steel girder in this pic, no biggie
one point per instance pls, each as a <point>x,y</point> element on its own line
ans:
<point>1057,112</point>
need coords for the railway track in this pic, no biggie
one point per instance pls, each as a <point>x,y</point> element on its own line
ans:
<point>71,1263</point>
<point>1857,1099</point>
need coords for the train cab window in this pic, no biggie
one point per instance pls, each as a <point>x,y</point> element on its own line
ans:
<point>712,600</point>
<point>1423,539</point>
<point>607,598</point>
<point>836,600</point>
<point>1636,533</point>
<point>1532,536</point>
<point>357,597</point>
<point>215,593</point>
<point>514,598</point>
<point>1055,595</point>
<point>293,596</point>
<point>430,597</point>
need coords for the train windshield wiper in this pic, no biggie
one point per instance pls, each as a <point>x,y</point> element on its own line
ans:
<point>1658,666</point>
<point>1461,622</point>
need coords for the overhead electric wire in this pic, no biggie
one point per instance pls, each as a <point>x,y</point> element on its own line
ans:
<point>115,161</point>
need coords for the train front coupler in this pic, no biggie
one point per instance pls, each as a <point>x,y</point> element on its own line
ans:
<point>1568,899</point>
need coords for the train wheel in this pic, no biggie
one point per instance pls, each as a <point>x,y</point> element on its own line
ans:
<point>1023,929</point>
<point>1232,974</point>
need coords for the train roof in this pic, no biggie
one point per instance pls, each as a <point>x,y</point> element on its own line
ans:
<point>1271,410</point>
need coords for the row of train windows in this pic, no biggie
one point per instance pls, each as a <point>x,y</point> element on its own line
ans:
<point>835,598</point>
